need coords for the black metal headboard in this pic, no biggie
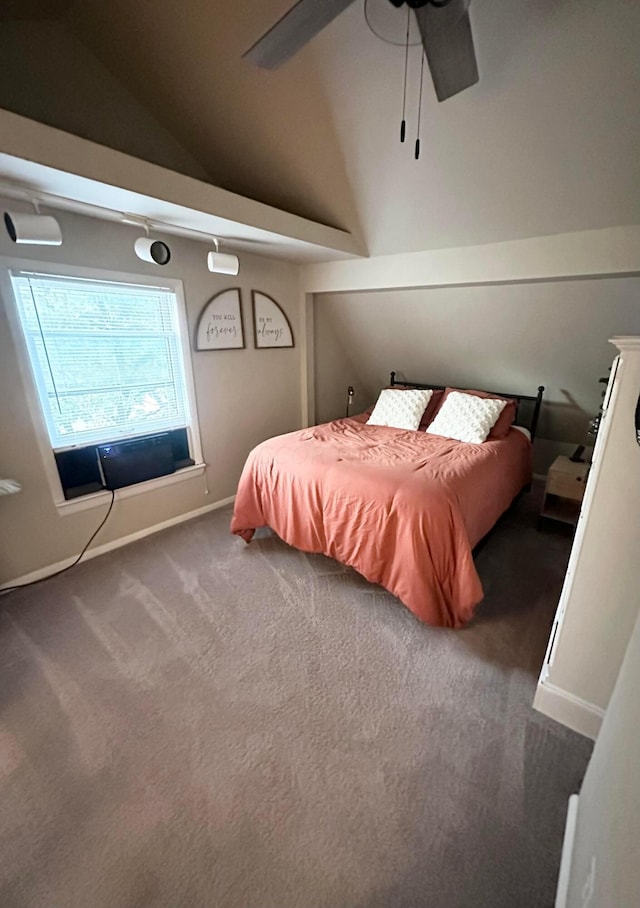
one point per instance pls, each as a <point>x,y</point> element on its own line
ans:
<point>536,399</point>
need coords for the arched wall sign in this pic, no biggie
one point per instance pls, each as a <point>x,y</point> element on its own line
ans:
<point>271,326</point>
<point>220,323</point>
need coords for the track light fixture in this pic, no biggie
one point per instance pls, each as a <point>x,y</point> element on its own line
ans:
<point>149,250</point>
<point>33,229</point>
<point>222,262</point>
<point>44,230</point>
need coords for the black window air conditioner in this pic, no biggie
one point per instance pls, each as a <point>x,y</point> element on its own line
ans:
<point>125,463</point>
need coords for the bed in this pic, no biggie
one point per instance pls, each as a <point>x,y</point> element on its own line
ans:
<point>402,507</point>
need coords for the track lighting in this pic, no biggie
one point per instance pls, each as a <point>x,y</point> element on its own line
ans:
<point>33,229</point>
<point>43,230</point>
<point>149,250</point>
<point>222,262</point>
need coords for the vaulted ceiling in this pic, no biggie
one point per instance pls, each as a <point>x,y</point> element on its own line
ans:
<point>545,143</point>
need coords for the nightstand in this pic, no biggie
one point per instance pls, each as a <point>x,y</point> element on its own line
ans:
<point>564,491</point>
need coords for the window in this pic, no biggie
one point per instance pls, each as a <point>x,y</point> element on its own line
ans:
<point>110,367</point>
<point>107,357</point>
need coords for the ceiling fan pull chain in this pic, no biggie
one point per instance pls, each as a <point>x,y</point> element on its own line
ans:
<point>420,106</point>
<point>403,126</point>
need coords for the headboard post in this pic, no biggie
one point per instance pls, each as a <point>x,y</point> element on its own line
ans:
<point>393,379</point>
<point>536,412</point>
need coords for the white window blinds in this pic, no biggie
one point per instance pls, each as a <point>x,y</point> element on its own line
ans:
<point>107,357</point>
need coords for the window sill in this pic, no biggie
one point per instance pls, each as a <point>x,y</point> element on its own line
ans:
<point>74,505</point>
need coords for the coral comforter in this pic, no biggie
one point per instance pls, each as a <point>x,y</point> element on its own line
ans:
<point>403,508</point>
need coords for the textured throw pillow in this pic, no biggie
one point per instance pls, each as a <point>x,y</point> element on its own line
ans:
<point>432,406</point>
<point>506,418</point>
<point>429,413</point>
<point>399,409</point>
<point>466,417</point>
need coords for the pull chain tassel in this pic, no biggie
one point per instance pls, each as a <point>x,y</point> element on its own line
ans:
<point>417,152</point>
<point>403,125</point>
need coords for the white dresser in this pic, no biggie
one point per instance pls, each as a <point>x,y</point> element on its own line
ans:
<point>601,593</point>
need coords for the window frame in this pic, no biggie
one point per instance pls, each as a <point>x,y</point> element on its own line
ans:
<point>29,380</point>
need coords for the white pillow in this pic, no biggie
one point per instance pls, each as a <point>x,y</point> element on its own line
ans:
<point>466,417</point>
<point>400,409</point>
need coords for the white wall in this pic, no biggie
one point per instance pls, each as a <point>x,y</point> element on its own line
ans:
<point>608,822</point>
<point>506,338</point>
<point>242,396</point>
<point>335,367</point>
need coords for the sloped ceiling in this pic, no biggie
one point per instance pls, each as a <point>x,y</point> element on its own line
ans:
<point>34,9</point>
<point>545,143</point>
<point>48,75</point>
<point>266,136</point>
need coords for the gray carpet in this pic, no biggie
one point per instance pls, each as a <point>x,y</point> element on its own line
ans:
<point>193,722</point>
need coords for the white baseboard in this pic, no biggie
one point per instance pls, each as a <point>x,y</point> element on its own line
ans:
<point>41,573</point>
<point>583,717</point>
<point>567,853</point>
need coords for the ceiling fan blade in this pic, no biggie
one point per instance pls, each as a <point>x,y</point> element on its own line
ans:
<point>448,43</point>
<point>293,31</point>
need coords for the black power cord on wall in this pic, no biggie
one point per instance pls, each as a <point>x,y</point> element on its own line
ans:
<point>19,586</point>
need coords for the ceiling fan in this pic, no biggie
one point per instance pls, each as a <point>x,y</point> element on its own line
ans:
<point>444,25</point>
